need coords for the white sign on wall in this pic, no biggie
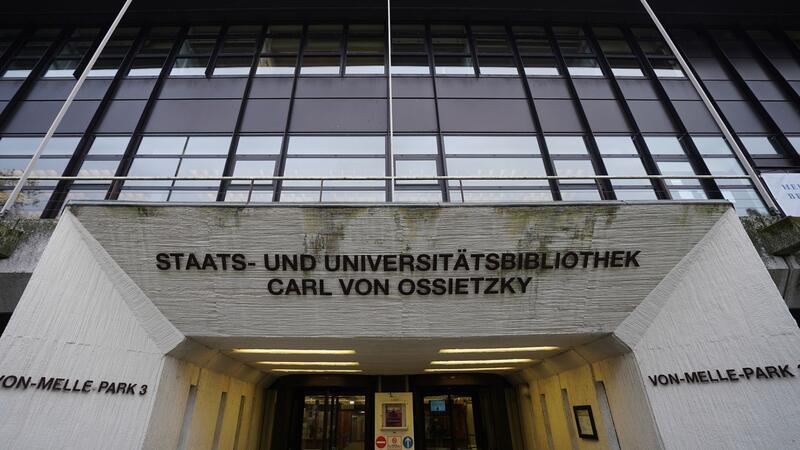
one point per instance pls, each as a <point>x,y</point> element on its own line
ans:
<point>785,187</point>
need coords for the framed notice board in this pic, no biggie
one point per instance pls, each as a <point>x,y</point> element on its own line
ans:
<point>584,420</point>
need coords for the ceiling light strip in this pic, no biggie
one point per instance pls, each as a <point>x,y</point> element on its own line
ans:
<point>499,349</point>
<point>286,351</point>
<point>473,362</point>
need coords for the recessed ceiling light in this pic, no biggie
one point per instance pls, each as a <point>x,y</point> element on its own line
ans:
<point>498,349</point>
<point>482,361</point>
<point>471,369</point>
<point>317,370</point>
<point>286,351</point>
<point>309,363</point>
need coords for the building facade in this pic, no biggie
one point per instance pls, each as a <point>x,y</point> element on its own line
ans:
<point>308,225</point>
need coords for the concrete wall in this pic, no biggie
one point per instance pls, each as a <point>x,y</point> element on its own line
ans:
<point>82,318</point>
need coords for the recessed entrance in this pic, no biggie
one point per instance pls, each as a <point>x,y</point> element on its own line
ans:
<point>451,422</point>
<point>331,420</point>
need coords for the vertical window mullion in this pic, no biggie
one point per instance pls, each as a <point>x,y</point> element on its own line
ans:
<point>136,136</point>
<point>281,164</point>
<point>547,161</point>
<point>473,50</point>
<point>695,160</point>
<point>641,147</point>
<point>604,186</point>
<point>87,139</point>
<point>230,161</point>
<point>212,59</point>
<point>440,158</point>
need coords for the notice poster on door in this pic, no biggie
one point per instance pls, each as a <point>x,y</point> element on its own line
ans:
<point>394,421</point>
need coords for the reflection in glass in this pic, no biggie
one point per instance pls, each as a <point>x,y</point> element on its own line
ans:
<point>200,167</point>
<point>496,168</point>
<point>410,65</point>
<point>566,145</point>
<point>154,167</point>
<point>414,145</point>
<point>491,145</point>
<point>365,65</point>
<point>276,66</point>
<point>254,168</point>
<point>454,65</point>
<point>405,168</point>
<point>259,145</point>
<point>335,167</point>
<point>540,66</point>
<point>337,145</point>
<point>320,65</point>
<point>761,145</point>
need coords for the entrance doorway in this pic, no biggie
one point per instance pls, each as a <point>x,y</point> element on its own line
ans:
<point>332,421</point>
<point>451,422</point>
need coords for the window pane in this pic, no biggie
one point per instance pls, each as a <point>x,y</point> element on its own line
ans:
<point>276,66</point>
<point>162,145</point>
<point>490,196</point>
<point>239,46</point>
<point>281,45</point>
<point>414,145</point>
<point>667,68</point>
<point>746,201</point>
<point>259,145</point>
<point>62,68</point>
<point>97,169</point>
<point>492,45</point>
<point>337,145</point>
<point>365,44</point>
<point>109,145</point>
<point>193,196</point>
<point>450,45</point>
<point>534,46</point>
<point>584,67</point>
<point>579,195</point>
<point>410,65</point>
<point>373,65</point>
<point>320,65</point>
<point>197,47</point>
<point>208,145</point>
<point>677,168</point>
<point>454,65</point>
<point>416,196</point>
<point>540,66</point>
<point>142,195</point>
<point>331,44</point>
<point>625,67</point>
<point>405,168</point>
<point>578,46</point>
<point>496,167</point>
<point>200,167</point>
<point>105,67</point>
<point>335,167</point>
<point>574,168</point>
<point>491,145</point>
<point>61,146</point>
<point>156,167</point>
<point>761,145</point>
<point>615,47</point>
<point>410,44</point>
<point>708,145</point>
<point>245,168</point>
<point>635,194</point>
<point>626,167</point>
<point>664,145</point>
<point>566,145</point>
<point>616,145</point>
<point>189,66</point>
<point>18,145</point>
<point>233,66</point>
<point>498,66</point>
<point>726,166</point>
<point>146,67</point>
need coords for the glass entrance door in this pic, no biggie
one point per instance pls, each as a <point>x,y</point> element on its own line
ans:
<point>449,422</point>
<point>333,422</point>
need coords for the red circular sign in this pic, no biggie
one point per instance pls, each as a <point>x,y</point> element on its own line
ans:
<point>380,442</point>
